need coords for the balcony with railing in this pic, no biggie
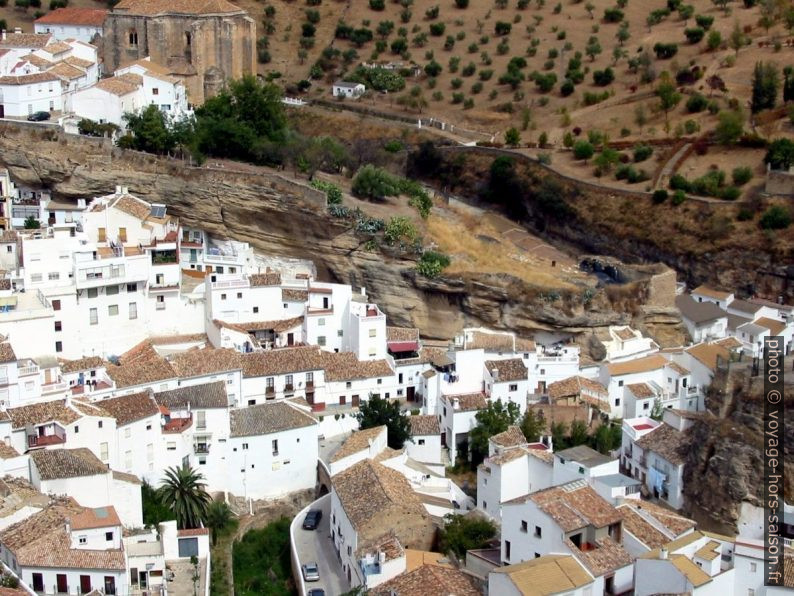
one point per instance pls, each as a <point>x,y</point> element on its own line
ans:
<point>25,368</point>
<point>230,283</point>
<point>201,447</point>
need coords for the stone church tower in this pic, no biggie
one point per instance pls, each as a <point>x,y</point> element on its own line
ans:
<point>202,42</point>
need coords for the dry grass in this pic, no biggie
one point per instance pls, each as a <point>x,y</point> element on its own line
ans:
<point>477,247</point>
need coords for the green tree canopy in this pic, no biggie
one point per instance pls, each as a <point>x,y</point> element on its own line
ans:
<point>220,519</point>
<point>378,411</point>
<point>780,154</point>
<point>148,130</point>
<point>532,425</point>
<point>461,533</point>
<point>490,421</point>
<point>182,491</point>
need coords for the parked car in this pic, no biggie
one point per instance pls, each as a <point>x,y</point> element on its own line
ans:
<point>38,116</point>
<point>311,573</point>
<point>316,592</point>
<point>312,519</point>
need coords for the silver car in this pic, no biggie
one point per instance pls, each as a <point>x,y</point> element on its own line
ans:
<point>311,573</point>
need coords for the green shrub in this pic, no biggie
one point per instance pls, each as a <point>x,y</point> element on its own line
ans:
<point>432,263</point>
<point>437,29</point>
<point>613,15</point>
<point>741,175</point>
<point>776,217</point>
<point>377,4</point>
<point>679,197</point>
<point>730,193</point>
<point>704,21</point>
<point>372,182</point>
<point>679,182</point>
<point>696,103</point>
<point>583,150</point>
<point>642,152</point>
<point>744,214</point>
<point>659,196</point>
<point>665,51</point>
<point>694,34</point>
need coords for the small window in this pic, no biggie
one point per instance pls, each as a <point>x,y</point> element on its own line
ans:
<point>524,526</point>
<point>513,387</point>
<point>321,322</point>
<point>538,532</point>
<point>620,383</point>
<point>239,295</point>
<point>76,429</point>
<point>82,539</point>
<point>223,296</point>
<point>421,441</point>
<point>108,536</point>
<point>99,424</point>
<point>112,290</point>
<point>113,310</point>
<point>617,402</point>
<point>56,305</point>
<point>321,340</point>
<point>245,446</point>
<point>256,309</point>
<point>92,292</point>
<point>380,381</point>
<point>275,446</point>
<point>155,91</point>
<point>58,326</point>
<point>373,332</point>
<point>340,333</point>
<point>59,346</point>
<point>132,287</point>
<point>171,446</point>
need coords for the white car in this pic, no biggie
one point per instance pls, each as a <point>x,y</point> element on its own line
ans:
<point>311,572</point>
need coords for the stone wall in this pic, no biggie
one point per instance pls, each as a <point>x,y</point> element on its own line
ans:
<point>189,46</point>
<point>661,288</point>
<point>780,182</point>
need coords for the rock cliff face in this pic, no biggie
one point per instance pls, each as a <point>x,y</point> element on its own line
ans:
<point>281,217</point>
<point>725,466</point>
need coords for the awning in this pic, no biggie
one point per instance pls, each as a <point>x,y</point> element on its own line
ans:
<point>403,346</point>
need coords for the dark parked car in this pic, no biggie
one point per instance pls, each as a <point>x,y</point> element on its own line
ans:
<point>316,592</point>
<point>312,519</point>
<point>38,116</point>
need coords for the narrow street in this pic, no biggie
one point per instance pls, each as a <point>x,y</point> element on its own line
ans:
<point>317,546</point>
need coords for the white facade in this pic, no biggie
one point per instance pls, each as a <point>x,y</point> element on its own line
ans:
<point>345,89</point>
<point>21,96</point>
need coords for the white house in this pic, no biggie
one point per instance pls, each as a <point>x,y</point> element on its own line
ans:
<point>698,563</point>
<point>625,343</point>
<point>158,87</point>
<point>707,294</point>
<point>507,380</point>
<point>361,445</point>
<point>658,458</point>
<point>458,416</point>
<point>272,450</point>
<point>22,95</point>
<point>425,443</point>
<point>81,475</point>
<point>83,24</point>
<point>372,505</point>
<point>109,99</point>
<point>703,320</point>
<point>67,549</point>
<point>569,519</point>
<point>547,575</point>
<point>647,526</point>
<point>348,89</point>
<point>514,468</point>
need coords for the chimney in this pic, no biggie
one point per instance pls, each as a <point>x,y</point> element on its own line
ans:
<point>495,374</point>
<point>118,189</point>
<point>4,34</point>
<point>663,553</point>
<point>456,404</point>
<point>363,291</point>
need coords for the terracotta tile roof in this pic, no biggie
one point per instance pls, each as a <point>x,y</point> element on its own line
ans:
<point>5,284</point>
<point>788,568</point>
<point>41,540</point>
<point>153,69</point>
<point>388,544</point>
<point>745,306</point>
<point>41,413</point>
<point>208,361</point>
<point>178,339</point>
<point>641,529</point>
<point>54,464</point>
<point>402,334</point>
<point>711,292</point>
<point>116,86</point>
<point>28,79</point>
<point>709,551</point>
<point>292,295</point>
<point>641,390</point>
<point>265,279</point>
<point>637,365</point>
<point>283,361</point>
<point>7,451</point>
<point>625,333</point>
<point>512,437</point>
<point>678,368</point>
<point>67,71</point>
<point>193,532</point>
<point>573,386</point>
<point>575,505</point>
<point>189,7</point>
<point>491,341</point>
<point>130,408</point>
<point>140,365</point>
<point>124,477</point>
<point>8,236</point>
<point>549,574</point>
<point>356,442</point>
<point>90,17</point>
<point>424,425</point>
<point>730,343</point>
<point>57,47</point>
<point>512,369</point>
<point>434,356</point>
<point>7,353</point>
<point>584,455</point>
<point>83,364</point>
<point>37,61</point>
<point>524,345</point>
<point>87,408</point>
<point>693,573</point>
<point>25,40</point>
<point>267,418</point>
<point>607,556</point>
<point>707,354</point>
<point>675,523</point>
<point>199,397</point>
<point>467,401</point>
<point>278,326</point>
<point>126,203</point>
<point>100,517</point>
<point>667,442</point>
<point>369,490</point>
<point>430,580</point>
<point>775,327</point>
<point>506,456</point>
<point>79,63</point>
<point>344,366</point>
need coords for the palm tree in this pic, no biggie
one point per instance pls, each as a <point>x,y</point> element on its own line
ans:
<point>183,492</point>
<point>219,518</point>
